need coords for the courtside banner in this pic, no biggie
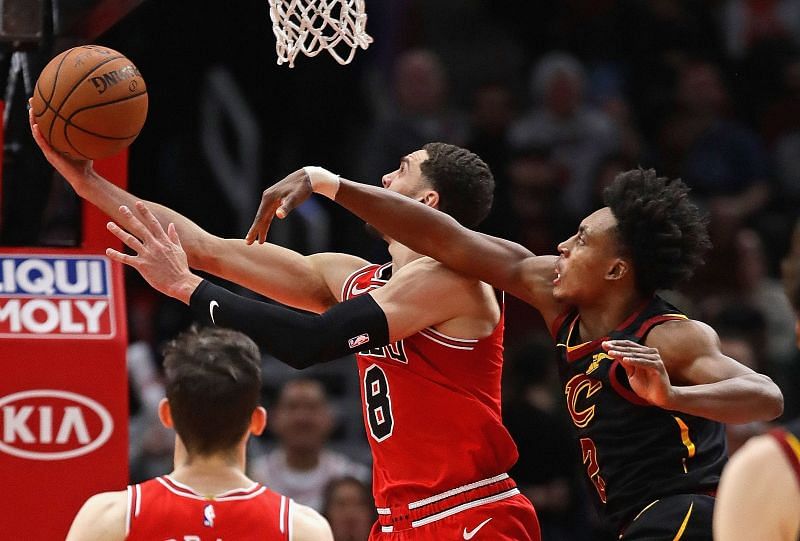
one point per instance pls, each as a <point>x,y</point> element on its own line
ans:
<point>56,296</point>
<point>63,390</point>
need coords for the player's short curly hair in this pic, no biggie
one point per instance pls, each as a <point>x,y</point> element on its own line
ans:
<point>658,227</point>
<point>463,180</point>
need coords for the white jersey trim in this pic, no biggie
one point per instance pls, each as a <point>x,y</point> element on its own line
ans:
<point>445,344</point>
<point>464,507</point>
<point>387,529</point>
<point>454,339</point>
<point>138,500</point>
<point>128,511</point>
<point>195,496</point>
<point>458,490</point>
<point>384,511</point>
<point>283,512</point>
<point>289,519</point>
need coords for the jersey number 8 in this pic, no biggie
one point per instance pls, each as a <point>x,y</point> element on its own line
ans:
<point>378,403</point>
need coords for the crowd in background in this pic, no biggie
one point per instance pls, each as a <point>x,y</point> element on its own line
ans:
<point>557,97</point>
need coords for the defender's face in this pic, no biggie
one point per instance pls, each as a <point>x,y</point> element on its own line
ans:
<point>407,179</point>
<point>586,258</point>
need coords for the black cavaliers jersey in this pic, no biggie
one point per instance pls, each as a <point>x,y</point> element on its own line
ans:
<point>633,453</point>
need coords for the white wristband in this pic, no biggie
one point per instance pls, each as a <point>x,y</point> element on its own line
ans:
<point>322,181</point>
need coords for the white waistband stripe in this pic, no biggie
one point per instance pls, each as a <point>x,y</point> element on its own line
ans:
<point>384,511</point>
<point>464,507</point>
<point>459,490</point>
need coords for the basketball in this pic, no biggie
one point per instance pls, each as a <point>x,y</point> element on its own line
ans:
<point>90,102</point>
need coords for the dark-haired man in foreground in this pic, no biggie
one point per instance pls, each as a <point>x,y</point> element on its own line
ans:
<point>213,385</point>
<point>647,388</point>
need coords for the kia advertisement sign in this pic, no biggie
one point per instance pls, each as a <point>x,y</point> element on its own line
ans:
<point>48,424</point>
<point>64,393</point>
<point>45,296</point>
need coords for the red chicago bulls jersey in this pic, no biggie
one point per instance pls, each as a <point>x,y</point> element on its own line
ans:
<point>432,412</point>
<point>163,509</point>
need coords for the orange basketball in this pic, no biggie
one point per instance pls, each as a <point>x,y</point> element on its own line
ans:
<point>90,102</point>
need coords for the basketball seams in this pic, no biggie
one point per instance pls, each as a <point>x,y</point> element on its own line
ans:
<point>78,83</point>
<point>70,79</point>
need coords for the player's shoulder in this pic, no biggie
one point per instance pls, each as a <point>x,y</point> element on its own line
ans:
<point>678,336</point>
<point>309,525</point>
<point>102,516</point>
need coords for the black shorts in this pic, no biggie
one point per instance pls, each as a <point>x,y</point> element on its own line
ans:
<point>684,516</point>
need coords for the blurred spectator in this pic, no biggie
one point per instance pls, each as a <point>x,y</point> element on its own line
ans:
<point>349,508</point>
<point>721,160</point>
<point>749,23</point>
<point>578,134</point>
<point>151,444</point>
<point>547,470</point>
<point>493,111</point>
<point>300,467</point>
<point>750,289</point>
<point>780,125</point>
<point>536,184</point>
<point>420,114</point>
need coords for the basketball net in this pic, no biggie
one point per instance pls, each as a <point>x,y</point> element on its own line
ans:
<point>312,26</point>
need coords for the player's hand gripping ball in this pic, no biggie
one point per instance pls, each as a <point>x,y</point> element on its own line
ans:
<point>90,102</point>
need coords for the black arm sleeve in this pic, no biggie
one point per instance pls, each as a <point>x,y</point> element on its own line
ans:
<point>299,339</point>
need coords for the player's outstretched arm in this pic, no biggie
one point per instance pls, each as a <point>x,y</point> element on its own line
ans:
<point>308,525</point>
<point>306,282</point>
<point>501,263</point>
<point>299,339</point>
<point>758,496</point>
<point>681,368</point>
<point>101,517</point>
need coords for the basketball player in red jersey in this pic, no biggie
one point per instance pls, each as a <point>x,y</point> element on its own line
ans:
<point>213,381</point>
<point>429,342</point>
<point>759,493</point>
<point>647,388</point>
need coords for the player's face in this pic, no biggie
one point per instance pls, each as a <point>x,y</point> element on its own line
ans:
<point>586,258</point>
<point>407,179</point>
<point>302,418</point>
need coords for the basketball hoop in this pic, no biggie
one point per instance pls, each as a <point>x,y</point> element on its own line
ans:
<point>311,26</point>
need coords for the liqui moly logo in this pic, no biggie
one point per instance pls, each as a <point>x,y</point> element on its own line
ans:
<point>55,297</point>
<point>50,424</point>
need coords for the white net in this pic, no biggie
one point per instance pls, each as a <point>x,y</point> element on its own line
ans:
<point>312,26</point>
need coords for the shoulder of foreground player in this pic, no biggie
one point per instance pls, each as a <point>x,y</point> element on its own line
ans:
<point>101,517</point>
<point>308,525</point>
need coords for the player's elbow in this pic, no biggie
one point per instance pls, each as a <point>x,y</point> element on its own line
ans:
<point>771,398</point>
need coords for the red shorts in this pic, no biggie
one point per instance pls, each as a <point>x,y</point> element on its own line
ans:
<point>510,519</point>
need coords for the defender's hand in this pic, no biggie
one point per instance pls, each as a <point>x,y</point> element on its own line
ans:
<point>646,371</point>
<point>159,258</point>
<point>279,200</point>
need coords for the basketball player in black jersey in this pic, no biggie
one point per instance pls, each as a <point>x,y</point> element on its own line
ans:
<point>759,494</point>
<point>647,388</point>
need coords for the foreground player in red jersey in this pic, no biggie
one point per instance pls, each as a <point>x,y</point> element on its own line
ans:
<point>647,388</point>
<point>429,342</point>
<point>213,384</point>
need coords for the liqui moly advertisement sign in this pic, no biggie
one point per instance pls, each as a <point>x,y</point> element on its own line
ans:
<point>59,296</point>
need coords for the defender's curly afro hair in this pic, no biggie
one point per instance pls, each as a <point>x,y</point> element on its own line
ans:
<point>658,227</point>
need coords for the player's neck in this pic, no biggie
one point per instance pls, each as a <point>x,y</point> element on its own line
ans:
<point>211,474</point>
<point>601,318</point>
<point>401,255</point>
